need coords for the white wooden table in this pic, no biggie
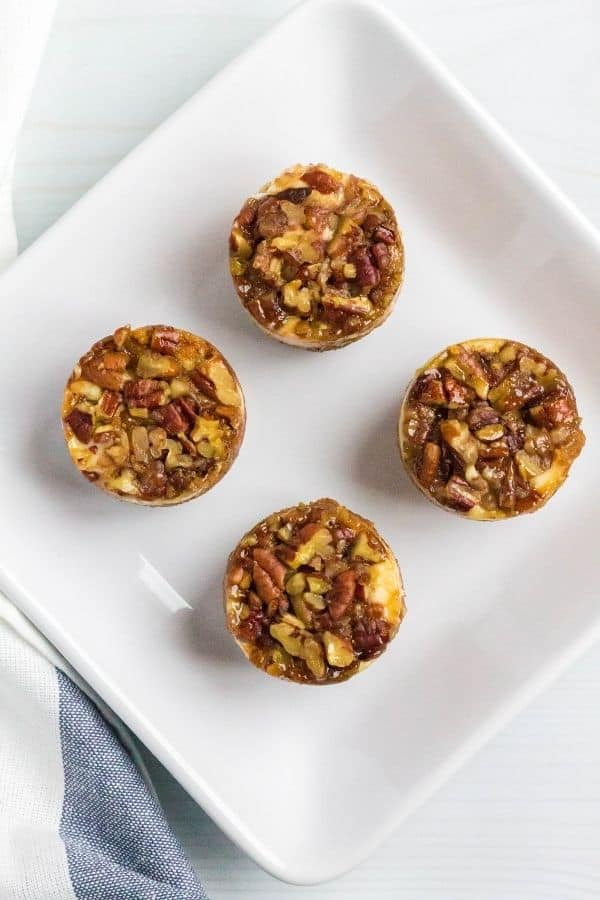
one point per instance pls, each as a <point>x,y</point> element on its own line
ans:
<point>522,821</point>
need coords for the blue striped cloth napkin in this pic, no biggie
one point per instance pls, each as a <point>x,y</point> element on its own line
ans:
<point>77,819</point>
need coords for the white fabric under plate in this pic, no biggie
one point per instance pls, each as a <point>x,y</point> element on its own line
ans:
<point>33,862</point>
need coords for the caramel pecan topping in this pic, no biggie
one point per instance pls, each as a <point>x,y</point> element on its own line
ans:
<point>109,403</point>
<point>317,257</point>
<point>154,415</point>
<point>313,593</point>
<point>489,428</point>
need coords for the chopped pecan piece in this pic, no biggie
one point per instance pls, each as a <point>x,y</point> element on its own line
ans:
<point>340,596</point>
<point>144,393</point>
<point>369,637</point>
<point>247,215</point>
<point>507,490</point>
<point>515,437</point>
<point>153,480</point>
<point>460,494</point>
<point>120,336</point>
<point>81,425</point>
<point>204,384</point>
<point>271,219</point>
<point>384,235</point>
<point>181,479</point>
<point>321,181</point>
<point>421,423</point>
<point>252,626</point>
<point>140,443</point>
<point>430,463</point>
<point>343,533</point>
<point>171,418</point>
<point>381,255</point>
<point>428,388</point>
<point>109,403</point>
<point>188,408</point>
<point>457,394</point>
<point>517,390</point>
<point>482,414</point>
<point>367,273</point>
<point>557,408</point>
<point>106,369</point>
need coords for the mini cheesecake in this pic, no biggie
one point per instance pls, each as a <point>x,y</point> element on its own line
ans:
<point>153,415</point>
<point>489,429</point>
<point>313,593</point>
<point>317,257</point>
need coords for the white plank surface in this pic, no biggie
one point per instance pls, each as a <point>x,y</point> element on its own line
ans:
<point>522,821</point>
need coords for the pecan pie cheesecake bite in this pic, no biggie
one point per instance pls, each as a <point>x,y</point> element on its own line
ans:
<point>317,257</point>
<point>153,415</point>
<point>313,593</point>
<point>489,429</point>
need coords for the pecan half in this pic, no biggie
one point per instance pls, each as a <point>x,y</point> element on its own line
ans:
<point>271,565</point>
<point>367,273</point>
<point>165,339</point>
<point>266,588</point>
<point>340,596</point>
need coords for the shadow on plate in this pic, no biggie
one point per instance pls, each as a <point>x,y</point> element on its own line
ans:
<point>377,462</point>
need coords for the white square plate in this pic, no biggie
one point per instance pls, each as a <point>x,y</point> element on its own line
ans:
<point>306,781</point>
